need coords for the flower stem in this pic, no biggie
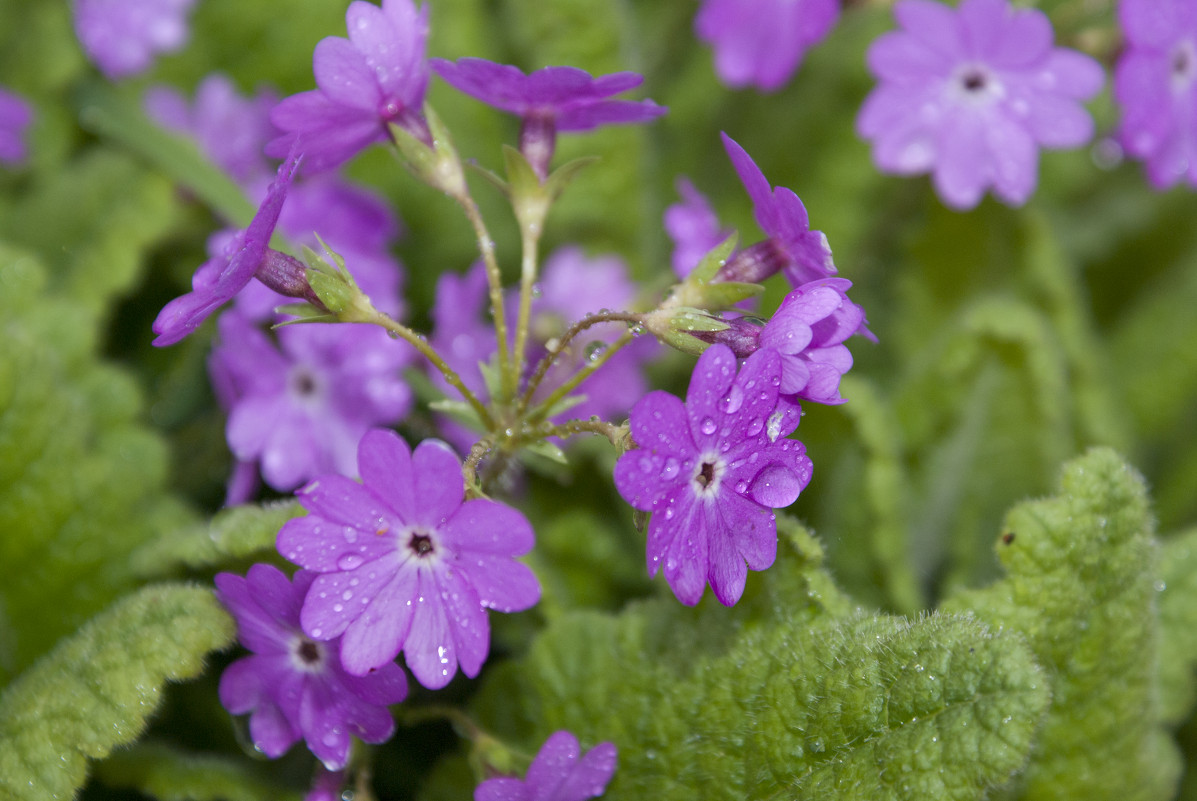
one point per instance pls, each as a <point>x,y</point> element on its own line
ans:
<point>615,434</point>
<point>530,239</point>
<point>494,279</point>
<point>544,407</point>
<point>362,311</point>
<point>542,368</point>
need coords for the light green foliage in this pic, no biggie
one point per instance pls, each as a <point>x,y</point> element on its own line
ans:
<point>1081,569</point>
<point>1177,588</point>
<point>171,775</point>
<point>94,221</point>
<point>96,689</point>
<point>237,533</point>
<point>789,695</point>
<point>81,481</point>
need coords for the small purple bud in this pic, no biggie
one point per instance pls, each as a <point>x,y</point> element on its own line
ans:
<point>287,276</point>
<point>754,264</point>
<point>742,335</point>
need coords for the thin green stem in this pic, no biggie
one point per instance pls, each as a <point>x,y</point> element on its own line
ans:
<point>494,278</point>
<point>544,407</point>
<point>615,434</point>
<point>530,238</point>
<point>366,313</point>
<point>542,368</point>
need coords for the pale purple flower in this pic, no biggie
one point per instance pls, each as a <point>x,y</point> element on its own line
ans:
<point>16,115</point>
<point>971,94</point>
<point>693,227</point>
<point>326,785</point>
<point>376,76</point>
<point>792,248</point>
<point>407,565</point>
<point>122,37</point>
<point>292,685</point>
<point>1155,82</point>
<point>761,42</point>
<point>301,408</point>
<point>560,772</point>
<point>711,470</point>
<point>231,130</point>
<point>218,280</point>
<point>549,100</point>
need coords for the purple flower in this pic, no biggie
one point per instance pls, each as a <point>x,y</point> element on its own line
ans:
<point>230,129</point>
<point>549,100</point>
<point>376,76</point>
<point>301,411</point>
<point>407,565</point>
<point>292,685</point>
<point>693,227</point>
<point>971,94</point>
<point>560,772</point>
<point>1155,81</point>
<point>218,280</point>
<point>16,115</point>
<point>711,470</point>
<point>808,331</point>
<point>761,42</point>
<point>123,36</point>
<point>802,254</point>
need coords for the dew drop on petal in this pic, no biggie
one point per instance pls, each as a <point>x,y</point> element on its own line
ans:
<point>707,427</point>
<point>349,561</point>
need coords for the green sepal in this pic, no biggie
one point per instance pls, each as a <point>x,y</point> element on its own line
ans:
<point>439,165</point>
<point>716,257</point>
<point>302,313</point>
<point>460,411</point>
<point>332,283</point>
<point>168,774</point>
<point>547,450</point>
<point>729,293</point>
<point>561,177</point>
<point>564,405</point>
<point>699,291</point>
<point>96,689</point>
<point>492,377</point>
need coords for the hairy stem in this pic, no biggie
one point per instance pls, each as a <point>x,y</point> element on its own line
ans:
<point>563,342</point>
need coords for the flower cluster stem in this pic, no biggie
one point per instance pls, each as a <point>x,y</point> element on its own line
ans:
<point>494,279</point>
<point>544,407</point>
<point>563,342</point>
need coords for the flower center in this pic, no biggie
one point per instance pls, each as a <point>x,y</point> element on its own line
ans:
<point>1184,65</point>
<point>709,475</point>
<point>706,475</point>
<point>421,545</point>
<point>973,80</point>
<point>307,654</point>
<point>976,84</point>
<point>303,383</point>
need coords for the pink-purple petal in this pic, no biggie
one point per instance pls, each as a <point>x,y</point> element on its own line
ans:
<point>378,633</point>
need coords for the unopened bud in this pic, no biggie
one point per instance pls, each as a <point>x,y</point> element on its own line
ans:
<point>753,264</point>
<point>287,276</point>
<point>742,335</point>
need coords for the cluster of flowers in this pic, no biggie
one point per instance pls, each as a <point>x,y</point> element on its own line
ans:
<point>409,559</point>
<point>405,562</point>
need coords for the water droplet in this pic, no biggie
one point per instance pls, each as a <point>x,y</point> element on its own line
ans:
<point>595,350</point>
<point>755,427</point>
<point>345,596</point>
<point>734,400</point>
<point>707,427</point>
<point>1159,585</point>
<point>338,608</point>
<point>918,668</point>
<point>316,633</point>
<point>670,470</point>
<point>349,561</point>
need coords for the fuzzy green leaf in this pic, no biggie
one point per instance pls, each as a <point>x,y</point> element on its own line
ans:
<point>235,533</point>
<point>97,688</point>
<point>1080,588</point>
<point>1177,588</point>
<point>81,481</point>
<point>171,775</point>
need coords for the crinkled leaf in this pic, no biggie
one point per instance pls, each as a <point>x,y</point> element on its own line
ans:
<point>1177,588</point>
<point>98,687</point>
<point>233,534</point>
<point>1080,587</point>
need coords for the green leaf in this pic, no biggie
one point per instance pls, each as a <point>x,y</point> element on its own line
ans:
<point>81,481</point>
<point>1177,588</point>
<point>170,775</point>
<point>1080,587</point>
<point>97,689</point>
<point>868,708</point>
<point>236,533</point>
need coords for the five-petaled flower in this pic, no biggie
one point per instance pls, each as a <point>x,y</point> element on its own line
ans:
<point>293,686</point>
<point>560,772</point>
<point>761,42</point>
<point>407,565</point>
<point>549,100</point>
<point>971,94</point>
<point>1155,81</point>
<point>711,470</point>
<point>375,77</point>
